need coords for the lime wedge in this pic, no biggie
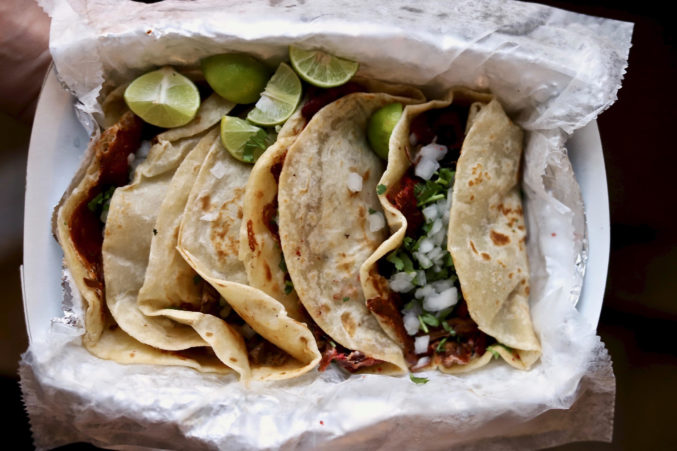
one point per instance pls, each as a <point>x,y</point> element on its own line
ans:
<point>163,97</point>
<point>321,69</point>
<point>244,141</point>
<point>236,77</point>
<point>279,99</point>
<point>380,127</point>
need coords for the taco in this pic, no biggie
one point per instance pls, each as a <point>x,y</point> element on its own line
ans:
<point>143,302</point>
<point>451,283</point>
<point>325,195</point>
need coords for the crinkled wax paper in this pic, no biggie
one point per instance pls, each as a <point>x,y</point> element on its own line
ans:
<point>554,71</point>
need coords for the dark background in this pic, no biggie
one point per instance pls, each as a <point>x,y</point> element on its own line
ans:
<point>639,313</point>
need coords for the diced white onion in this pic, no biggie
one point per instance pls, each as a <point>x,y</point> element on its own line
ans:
<point>423,361</point>
<point>442,285</point>
<point>412,139</point>
<point>218,170</point>
<point>420,278</point>
<point>211,216</point>
<point>401,282</point>
<point>376,221</point>
<point>445,299</point>
<point>130,158</point>
<point>425,291</point>
<point>426,168</point>
<point>430,212</point>
<point>433,152</point>
<point>411,322</point>
<point>354,182</point>
<point>425,246</point>
<point>422,260</point>
<point>421,344</point>
<point>437,226</point>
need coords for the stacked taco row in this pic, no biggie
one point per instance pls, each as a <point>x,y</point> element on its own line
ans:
<point>319,252</point>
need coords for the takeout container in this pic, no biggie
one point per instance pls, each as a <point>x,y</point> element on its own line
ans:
<point>58,142</point>
<point>380,416</point>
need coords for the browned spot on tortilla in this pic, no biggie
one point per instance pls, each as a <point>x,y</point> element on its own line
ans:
<point>499,239</point>
<point>365,176</point>
<point>205,202</point>
<point>233,359</point>
<point>348,323</point>
<point>472,197</point>
<point>259,194</point>
<point>486,256</point>
<point>470,183</point>
<point>520,227</point>
<point>224,233</point>
<point>524,281</point>
<point>250,235</point>
<point>472,245</point>
<point>209,334</point>
<point>527,290</point>
<point>132,355</point>
<point>303,340</point>
<point>298,252</point>
<point>510,275</point>
<point>239,213</point>
<point>269,275</point>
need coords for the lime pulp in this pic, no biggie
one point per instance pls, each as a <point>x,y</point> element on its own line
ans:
<point>321,69</point>
<point>243,140</point>
<point>280,98</point>
<point>163,98</point>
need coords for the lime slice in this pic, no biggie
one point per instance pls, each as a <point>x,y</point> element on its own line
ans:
<point>244,141</point>
<point>321,69</point>
<point>279,99</point>
<point>380,127</point>
<point>236,77</point>
<point>163,97</point>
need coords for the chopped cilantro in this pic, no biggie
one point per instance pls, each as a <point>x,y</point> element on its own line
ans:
<point>283,265</point>
<point>381,189</point>
<point>423,325</point>
<point>288,286</point>
<point>256,144</point>
<point>418,380</point>
<point>372,211</point>
<point>450,330</point>
<point>346,299</point>
<point>493,352</point>
<point>100,202</point>
<point>434,190</point>
<point>331,342</point>
<point>430,319</point>
<point>440,345</point>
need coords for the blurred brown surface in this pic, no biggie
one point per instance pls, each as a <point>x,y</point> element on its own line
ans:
<point>639,313</point>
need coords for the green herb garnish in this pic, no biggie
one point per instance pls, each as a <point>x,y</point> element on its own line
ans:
<point>346,299</point>
<point>256,144</point>
<point>288,286</point>
<point>372,211</point>
<point>418,380</point>
<point>100,202</point>
<point>380,189</point>
<point>440,345</point>
<point>430,319</point>
<point>493,352</point>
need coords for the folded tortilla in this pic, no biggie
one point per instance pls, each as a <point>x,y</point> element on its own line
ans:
<point>323,225</point>
<point>79,231</point>
<point>486,233</point>
<point>156,308</point>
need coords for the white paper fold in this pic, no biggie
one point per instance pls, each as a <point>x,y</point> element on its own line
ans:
<point>554,71</point>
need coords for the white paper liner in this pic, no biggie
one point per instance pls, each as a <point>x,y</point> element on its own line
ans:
<point>553,70</point>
